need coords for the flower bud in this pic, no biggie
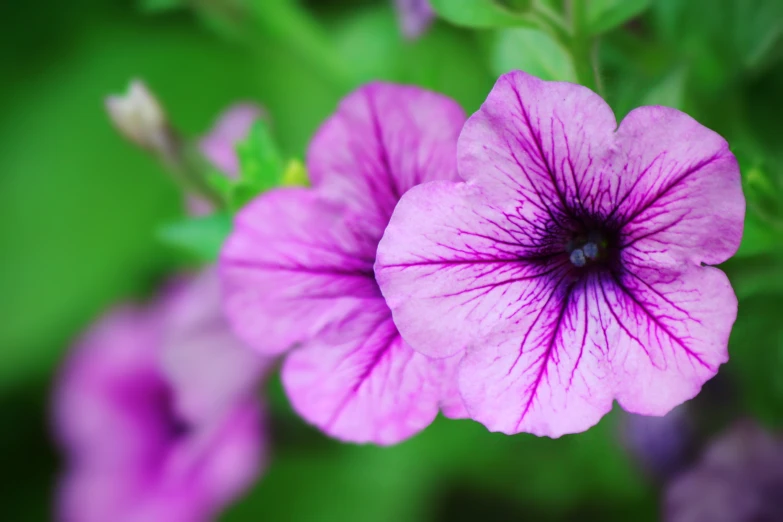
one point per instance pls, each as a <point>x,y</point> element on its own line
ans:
<point>139,117</point>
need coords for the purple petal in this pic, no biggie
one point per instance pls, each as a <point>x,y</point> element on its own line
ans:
<point>362,383</point>
<point>543,375</point>
<point>210,368</point>
<point>452,265</point>
<point>415,16</point>
<point>539,145</point>
<point>131,455</point>
<point>383,140</point>
<point>668,332</point>
<point>680,196</point>
<point>232,126</point>
<point>293,265</point>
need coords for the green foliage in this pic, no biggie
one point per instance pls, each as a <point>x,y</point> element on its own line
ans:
<point>479,13</point>
<point>157,6</point>
<point>604,15</point>
<point>756,351</point>
<point>532,51</point>
<point>200,238</point>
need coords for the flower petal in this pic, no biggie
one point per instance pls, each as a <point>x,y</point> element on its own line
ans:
<point>680,193</point>
<point>383,140</point>
<point>452,265</point>
<point>364,383</point>
<point>667,333</point>
<point>208,367</point>
<point>543,375</point>
<point>293,265</point>
<point>538,144</point>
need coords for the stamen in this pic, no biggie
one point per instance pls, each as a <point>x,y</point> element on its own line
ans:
<point>577,257</point>
<point>590,250</point>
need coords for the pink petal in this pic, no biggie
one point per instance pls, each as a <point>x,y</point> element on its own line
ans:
<point>203,360</point>
<point>545,374</point>
<point>383,140</point>
<point>667,331</point>
<point>293,265</point>
<point>680,194</point>
<point>363,383</point>
<point>452,265</point>
<point>539,145</point>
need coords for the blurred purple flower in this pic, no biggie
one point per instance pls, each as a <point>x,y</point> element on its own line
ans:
<point>298,268</point>
<point>658,444</point>
<point>148,440</point>
<point>571,261</point>
<point>739,479</point>
<point>415,16</point>
<point>219,146</point>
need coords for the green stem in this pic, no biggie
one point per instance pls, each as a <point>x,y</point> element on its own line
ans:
<point>291,25</point>
<point>284,23</point>
<point>582,46</point>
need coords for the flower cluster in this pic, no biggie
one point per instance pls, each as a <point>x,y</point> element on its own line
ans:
<point>559,261</point>
<point>524,268</point>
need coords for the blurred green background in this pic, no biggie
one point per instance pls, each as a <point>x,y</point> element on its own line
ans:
<point>79,209</point>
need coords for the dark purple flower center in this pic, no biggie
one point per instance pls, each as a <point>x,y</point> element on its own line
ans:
<point>591,246</point>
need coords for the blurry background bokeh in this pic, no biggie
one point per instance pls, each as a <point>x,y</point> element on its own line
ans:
<point>79,210</point>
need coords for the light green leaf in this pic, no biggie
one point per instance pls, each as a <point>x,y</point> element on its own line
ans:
<point>534,52</point>
<point>198,237</point>
<point>260,162</point>
<point>669,92</point>
<point>604,15</point>
<point>479,13</point>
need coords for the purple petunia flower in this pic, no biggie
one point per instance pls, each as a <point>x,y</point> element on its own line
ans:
<point>415,17</point>
<point>298,268</point>
<point>571,262</point>
<point>157,419</point>
<point>739,479</point>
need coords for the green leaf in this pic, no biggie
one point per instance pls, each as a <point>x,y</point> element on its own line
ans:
<point>670,91</point>
<point>479,13</point>
<point>756,348</point>
<point>260,162</point>
<point>199,237</point>
<point>534,52</point>
<point>604,15</point>
<point>158,6</point>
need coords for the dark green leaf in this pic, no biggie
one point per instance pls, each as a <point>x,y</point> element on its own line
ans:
<point>156,6</point>
<point>604,15</point>
<point>756,351</point>
<point>260,162</point>
<point>201,238</point>
<point>479,13</point>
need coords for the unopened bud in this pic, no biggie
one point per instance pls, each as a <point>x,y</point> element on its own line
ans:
<point>139,117</point>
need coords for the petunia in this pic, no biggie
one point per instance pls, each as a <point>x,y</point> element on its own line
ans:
<point>297,269</point>
<point>158,422</point>
<point>573,261</point>
<point>739,479</point>
<point>415,17</point>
